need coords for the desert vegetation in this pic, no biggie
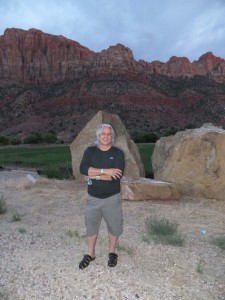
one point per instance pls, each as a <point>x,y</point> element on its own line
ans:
<point>162,230</point>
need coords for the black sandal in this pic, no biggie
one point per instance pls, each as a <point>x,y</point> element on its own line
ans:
<point>85,261</point>
<point>112,262</point>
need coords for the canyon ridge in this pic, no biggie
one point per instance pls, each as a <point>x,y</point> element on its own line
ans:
<point>50,83</point>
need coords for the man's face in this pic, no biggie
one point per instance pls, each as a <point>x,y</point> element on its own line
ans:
<point>105,137</point>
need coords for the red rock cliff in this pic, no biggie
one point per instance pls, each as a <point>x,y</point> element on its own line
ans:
<point>52,83</point>
<point>37,57</point>
<point>34,56</point>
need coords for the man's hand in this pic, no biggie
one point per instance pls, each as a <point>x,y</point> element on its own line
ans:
<point>115,173</point>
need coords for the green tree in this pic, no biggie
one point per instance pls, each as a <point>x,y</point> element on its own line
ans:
<point>33,139</point>
<point>145,137</point>
<point>49,138</point>
<point>15,141</point>
<point>4,140</point>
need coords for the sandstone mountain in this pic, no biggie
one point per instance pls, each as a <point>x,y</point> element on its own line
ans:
<point>51,83</point>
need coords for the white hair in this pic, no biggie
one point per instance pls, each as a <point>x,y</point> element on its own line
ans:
<point>99,131</point>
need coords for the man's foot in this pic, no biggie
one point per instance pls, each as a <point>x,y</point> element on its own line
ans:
<point>85,261</point>
<point>112,262</point>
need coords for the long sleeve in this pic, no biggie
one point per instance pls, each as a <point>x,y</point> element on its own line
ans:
<point>85,162</point>
<point>94,157</point>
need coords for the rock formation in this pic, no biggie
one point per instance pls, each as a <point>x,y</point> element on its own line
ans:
<point>134,167</point>
<point>51,83</point>
<point>33,56</point>
<point>148,189</point>
<point>36,57</point>
<point>193,160</point>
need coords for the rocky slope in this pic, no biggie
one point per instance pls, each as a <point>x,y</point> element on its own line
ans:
<point>52,83</point>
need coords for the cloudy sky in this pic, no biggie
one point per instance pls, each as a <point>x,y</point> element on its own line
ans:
<point>152,29</point>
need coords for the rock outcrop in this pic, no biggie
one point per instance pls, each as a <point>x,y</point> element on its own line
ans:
<point>36,57</point>
<point>134,167</point>
<point>193,160</point>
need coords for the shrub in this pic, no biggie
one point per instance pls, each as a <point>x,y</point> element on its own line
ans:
<point>171,131</point>
<point>33,139</point>
<point>161,230</point>
<point>49,138</point>
<point>16,217</point>
<point>3,207</point>
<point>4,140</point>
<point>145,137</point>
<point>37,138</point>
<point>190,126</point>
<point>125,249</point>
<point>199,267</point>
<point>15,141</point>
<point>220,242</point>
<point>58,172</point>
<point>74,233</point>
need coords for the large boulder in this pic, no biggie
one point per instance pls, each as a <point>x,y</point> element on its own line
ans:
<point>194,160</point>
<point>134,166</point>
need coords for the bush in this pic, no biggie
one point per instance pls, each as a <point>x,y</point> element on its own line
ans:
<point>33,139</point>
<point>162,231</point>
<point>15,141</point>
<point>37,138</point>
<point>171,131</point>
<point>3,207</point>
<point>220,242</point>
<point>58,172</point>
<point>145,137</point>
<point>16,217</point>
<point>190,126</point>
<point>4,140</point>
<point>49,138</point>
<point>72,234</point>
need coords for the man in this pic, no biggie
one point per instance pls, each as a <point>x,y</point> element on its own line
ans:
<point>103,166</point>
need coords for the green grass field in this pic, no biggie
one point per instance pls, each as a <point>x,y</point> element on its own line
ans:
<point>55,161</point>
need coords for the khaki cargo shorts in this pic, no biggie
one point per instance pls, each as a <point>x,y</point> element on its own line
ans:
<point>110,209</point>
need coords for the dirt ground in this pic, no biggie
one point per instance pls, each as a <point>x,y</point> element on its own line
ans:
<point>39,254</point>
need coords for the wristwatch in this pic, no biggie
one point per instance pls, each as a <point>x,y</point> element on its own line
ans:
<point>102,171</point>
<point>98,177</point>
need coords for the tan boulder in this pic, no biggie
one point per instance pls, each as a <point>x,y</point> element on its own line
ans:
<point>148,189</point>
<point>134,166</point>
<point>194,160</point>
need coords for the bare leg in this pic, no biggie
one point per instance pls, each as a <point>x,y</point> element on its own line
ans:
<point>112,262</point>
<point>112,243</point>
<point>91,242</point>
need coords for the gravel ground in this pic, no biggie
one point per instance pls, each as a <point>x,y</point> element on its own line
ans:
<point>39,259</point>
